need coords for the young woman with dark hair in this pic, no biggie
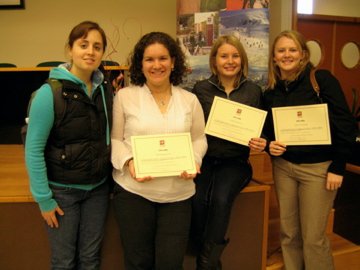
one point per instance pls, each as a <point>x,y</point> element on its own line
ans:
<point>68,152</point>
<point>154,213</point>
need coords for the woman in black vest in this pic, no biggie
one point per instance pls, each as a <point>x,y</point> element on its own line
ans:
<point>68,151</point>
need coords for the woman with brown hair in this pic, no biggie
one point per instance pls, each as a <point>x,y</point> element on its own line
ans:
<point>154,213</point>
<point>67,151</point>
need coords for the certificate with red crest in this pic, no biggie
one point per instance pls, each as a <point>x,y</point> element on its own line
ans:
<point>302,125</point>
<point>163,155</point>
<point>233,121</point>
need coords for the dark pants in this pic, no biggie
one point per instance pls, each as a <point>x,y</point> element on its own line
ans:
<point>220,181</point>
<point>154,235</point>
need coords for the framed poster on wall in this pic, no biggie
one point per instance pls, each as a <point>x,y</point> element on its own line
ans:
<point>12,4</point>
<point>200,22</point>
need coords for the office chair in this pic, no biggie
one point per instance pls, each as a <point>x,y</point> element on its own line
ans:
<point>50,64</point>
<point>7,65</point>
<point>109,63</point>
<point>111,75</point>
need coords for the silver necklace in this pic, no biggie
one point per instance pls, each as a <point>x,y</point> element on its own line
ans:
<point>161,102</point>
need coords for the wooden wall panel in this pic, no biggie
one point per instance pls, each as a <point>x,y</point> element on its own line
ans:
<point>322,33</point>
<point>333,32</point>
<point>350,78</point>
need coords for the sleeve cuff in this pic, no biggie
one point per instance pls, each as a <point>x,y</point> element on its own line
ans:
<point>337,167</point>
<point>47,205</point>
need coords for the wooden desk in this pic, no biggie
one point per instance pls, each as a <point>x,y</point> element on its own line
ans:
<point>248,231</point>
<point>14,185</point>
<point>16,86</point>
<point>24,241</point>
<point>23,69</point>
<point>353,168</point>
<point>26,69</point>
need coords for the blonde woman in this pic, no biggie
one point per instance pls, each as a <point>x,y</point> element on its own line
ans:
<point>306,177</point>
<point>226,169</point>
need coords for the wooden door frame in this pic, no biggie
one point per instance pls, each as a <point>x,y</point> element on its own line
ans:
<point>337,22</point>
<point>294,14</point>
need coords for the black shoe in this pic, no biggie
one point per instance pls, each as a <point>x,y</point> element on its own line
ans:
<point>209,257</point>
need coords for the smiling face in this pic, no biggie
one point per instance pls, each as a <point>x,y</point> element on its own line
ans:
<point>227,61</point>
<point>86,53</point>
<point>157,65</point>
<point>287,56</point>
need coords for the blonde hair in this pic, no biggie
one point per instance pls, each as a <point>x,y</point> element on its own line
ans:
<point>234,41</point>
<point>300,41</point>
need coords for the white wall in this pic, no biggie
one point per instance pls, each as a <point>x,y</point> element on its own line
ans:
<point>281,12</point>
<point>280,17</point>
<point>39,32</point>
<point>347,8</point>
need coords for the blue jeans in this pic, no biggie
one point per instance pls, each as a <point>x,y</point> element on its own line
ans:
<point>76,243</point>
<point>220,181</point>
<point>154,235</point>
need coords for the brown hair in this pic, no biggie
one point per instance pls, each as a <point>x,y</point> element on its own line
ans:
<point>82,30</point>
<point>137,76</point>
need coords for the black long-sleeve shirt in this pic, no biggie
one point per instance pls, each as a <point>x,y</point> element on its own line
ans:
<point>342,123</point>
<point>247,92</point>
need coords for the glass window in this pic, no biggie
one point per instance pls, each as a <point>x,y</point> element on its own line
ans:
<point>305,6</point>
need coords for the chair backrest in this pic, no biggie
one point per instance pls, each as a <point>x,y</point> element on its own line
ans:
<point>109,63</point>
<point>50,64</point>
<point>7,65</point>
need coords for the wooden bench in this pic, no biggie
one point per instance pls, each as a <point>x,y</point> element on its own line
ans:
<point>24,240</point>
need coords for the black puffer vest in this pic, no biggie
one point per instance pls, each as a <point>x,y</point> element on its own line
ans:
<point>77,151</point>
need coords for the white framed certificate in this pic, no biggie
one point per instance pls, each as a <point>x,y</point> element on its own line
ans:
<point>302,125</point>
<point>163,155</point>
<point>235,122</point>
